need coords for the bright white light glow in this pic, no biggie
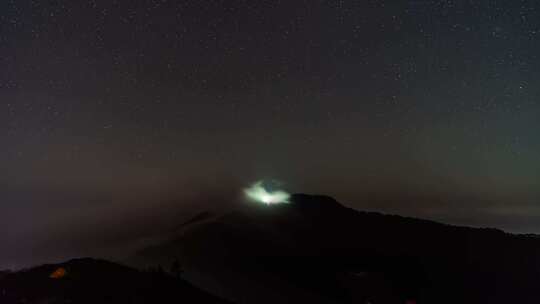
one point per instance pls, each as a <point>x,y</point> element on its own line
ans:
<point>258,193</point>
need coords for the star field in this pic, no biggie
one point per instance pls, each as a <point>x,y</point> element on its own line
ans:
<point>424,108</point>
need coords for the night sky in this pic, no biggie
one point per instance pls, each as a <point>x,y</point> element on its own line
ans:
<point>117,114</point>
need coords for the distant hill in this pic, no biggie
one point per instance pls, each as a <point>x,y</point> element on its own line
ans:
<point>96,281</point>
<point>316,250</point>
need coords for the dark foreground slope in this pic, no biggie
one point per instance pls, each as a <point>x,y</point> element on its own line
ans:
<point>316,250</point>
<point>96,281</point>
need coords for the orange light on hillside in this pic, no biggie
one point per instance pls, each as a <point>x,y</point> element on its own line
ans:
<point>58,273</point>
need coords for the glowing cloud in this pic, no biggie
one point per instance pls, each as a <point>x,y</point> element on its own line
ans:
<point>258,193</point>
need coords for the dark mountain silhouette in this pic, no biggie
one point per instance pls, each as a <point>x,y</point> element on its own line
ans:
<point>316,250</point>
<point>96,281</point>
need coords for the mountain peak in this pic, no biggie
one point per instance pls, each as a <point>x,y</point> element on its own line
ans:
<point>315,201</point>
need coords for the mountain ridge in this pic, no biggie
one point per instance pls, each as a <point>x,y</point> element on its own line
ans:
<point>90,280</point>
<point>421,258</point>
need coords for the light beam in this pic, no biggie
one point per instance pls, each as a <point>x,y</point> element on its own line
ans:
<point>258,193</point>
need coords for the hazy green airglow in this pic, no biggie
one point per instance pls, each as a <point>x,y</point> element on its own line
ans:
<point>259,194</point>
